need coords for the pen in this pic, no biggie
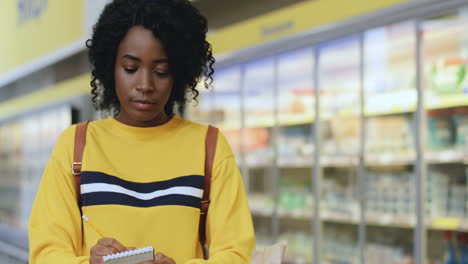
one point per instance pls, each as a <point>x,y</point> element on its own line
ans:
<point>94,227</point>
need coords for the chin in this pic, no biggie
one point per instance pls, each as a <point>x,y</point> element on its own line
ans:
<point>146,116</point>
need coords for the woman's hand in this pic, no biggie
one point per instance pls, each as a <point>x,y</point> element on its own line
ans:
<point>160,258</point>
<point>104,247</point>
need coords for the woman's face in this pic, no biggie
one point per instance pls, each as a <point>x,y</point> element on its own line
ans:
<point>143,80</point>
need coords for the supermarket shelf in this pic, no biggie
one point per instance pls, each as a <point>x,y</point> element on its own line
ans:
<point>389,159</point>
<point>372,160</point>
<point>265,163</point>
<point>446,101</point>
<point>298,119</point>
<point>259,211</point>
<point>432,157</point>
<point>295,162</point>
<point>295,260</point>
<point>377,105</point>
<point>339,217</point>
<point>390,220</point>
<point>301,162</point>
<point>446,156</point>
<point>382,220</point>
<point>339,161</point>
<point>295,214</point>
<point>260,122</point>
<point>449,223</point>
<point>229,126</point>
<point>394,102</point>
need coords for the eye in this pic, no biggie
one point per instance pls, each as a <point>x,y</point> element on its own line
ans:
<point>161,74</point>
<point>130,70</point>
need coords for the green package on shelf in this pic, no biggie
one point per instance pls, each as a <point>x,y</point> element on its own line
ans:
<point>441,129</point>
<point>460,119</point>
<point>448,75</point>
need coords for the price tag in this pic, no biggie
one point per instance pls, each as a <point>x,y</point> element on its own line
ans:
<point>446,223</point>
<point>386,219</point>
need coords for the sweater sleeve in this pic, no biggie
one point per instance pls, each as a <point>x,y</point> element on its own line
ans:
<point>229,227</point>
<point>55,222</point>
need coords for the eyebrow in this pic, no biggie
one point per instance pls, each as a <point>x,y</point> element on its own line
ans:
<point>130,57</point>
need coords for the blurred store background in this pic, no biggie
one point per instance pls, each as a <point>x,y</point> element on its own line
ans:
<point>349,119</point>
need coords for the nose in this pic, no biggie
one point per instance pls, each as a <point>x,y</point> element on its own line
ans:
<point>145,82</point>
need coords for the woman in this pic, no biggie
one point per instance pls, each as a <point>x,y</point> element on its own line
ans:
<point>147,57</point>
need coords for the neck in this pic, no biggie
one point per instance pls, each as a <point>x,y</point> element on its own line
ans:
<point>157,121</point>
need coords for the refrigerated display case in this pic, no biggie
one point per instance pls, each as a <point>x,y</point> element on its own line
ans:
<point>25,146</point>
<point>345,112</point>
<point>226,97</point>
<point>445,61</point>
<point>295,112</point>
<point>201,109</point>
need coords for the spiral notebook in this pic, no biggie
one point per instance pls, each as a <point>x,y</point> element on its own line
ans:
<point>130,257</point>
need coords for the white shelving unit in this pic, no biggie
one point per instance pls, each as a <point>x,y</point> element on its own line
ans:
<point>272,101</point>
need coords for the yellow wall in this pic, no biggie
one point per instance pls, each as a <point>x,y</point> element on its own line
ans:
<point>291,20</point>
<point>46,27</point>
<point>75,87</point>
<point>62,23</point>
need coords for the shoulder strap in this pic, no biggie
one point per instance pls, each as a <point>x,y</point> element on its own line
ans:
<point>80,142</point>
<point>210,149</point>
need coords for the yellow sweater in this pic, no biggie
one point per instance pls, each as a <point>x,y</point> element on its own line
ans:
<point>141,186</point>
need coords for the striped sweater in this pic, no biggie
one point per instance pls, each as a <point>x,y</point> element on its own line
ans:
<point>141,186</point>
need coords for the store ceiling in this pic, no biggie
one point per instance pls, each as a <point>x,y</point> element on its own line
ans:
<point>222,13</point>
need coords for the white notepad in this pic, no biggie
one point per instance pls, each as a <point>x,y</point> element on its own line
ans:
<point>130,257</point>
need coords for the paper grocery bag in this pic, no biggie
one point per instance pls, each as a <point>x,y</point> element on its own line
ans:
<point>270,255</point>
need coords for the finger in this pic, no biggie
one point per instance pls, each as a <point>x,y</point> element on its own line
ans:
<point>100,250</point>
<point>159,256</point>
<point>111,242</point>
<point>95,260</point>
<point>167,260</point>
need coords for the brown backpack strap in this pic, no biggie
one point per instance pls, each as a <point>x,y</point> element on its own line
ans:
<point>210,149</point>
<point>80,142</point>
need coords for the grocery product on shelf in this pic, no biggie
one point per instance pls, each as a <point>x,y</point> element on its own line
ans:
<point>390,193</point>
<point>258,87</point>
<point>295,145</point>
<point>460,118</point>
<point>261,204</point>
<point>25,147</point>
<point>341,136</point>
<point>449,257</point>
<point>295,87</point>
<point>339,193</point>
<point>295,198</point>
<point>389,134</point>
<point>299,246</point>
<point>448,75</point>
<point>339,244</point>
<point>441,134</point>
<point>257,146</point>
<point>462,240</point>
<point>226,98</point>
<point>339,96</point>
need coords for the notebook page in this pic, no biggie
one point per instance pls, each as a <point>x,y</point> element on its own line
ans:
<point>130,257</point>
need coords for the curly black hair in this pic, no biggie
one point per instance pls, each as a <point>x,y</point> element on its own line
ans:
<point>180,27</point>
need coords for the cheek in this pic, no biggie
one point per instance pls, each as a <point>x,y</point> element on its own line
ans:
<point>121,83</point>
<point>170,86</point>
<point>165,86</point>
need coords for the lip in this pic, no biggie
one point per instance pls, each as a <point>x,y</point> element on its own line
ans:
<point>143,104</point>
